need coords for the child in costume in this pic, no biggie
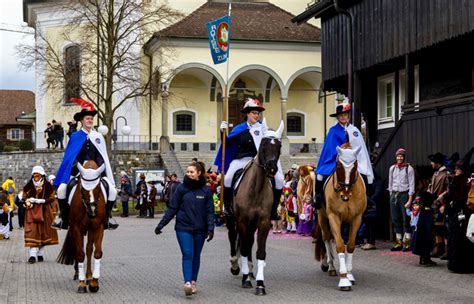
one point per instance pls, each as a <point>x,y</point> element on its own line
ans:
<point>422,243</point>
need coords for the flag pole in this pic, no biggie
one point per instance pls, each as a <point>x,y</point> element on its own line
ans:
<point>226,118</point>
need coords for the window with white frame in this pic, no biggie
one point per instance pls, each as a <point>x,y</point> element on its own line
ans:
<point>386,100</point>
<point>295,124</point>
<point>15,134</point>
<point>184,123</point>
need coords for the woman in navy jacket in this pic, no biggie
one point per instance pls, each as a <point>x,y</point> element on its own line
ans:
<point>193,207</point>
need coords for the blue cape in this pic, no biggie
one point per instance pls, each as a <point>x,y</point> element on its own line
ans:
<point>230,150</point>
<point>327,161</point>
<point>73,148</point>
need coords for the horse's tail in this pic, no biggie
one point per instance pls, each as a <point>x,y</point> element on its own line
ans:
<point>67,256</point>
<point>320,248</point>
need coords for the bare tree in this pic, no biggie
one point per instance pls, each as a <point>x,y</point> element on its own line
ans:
<point>109,35</point>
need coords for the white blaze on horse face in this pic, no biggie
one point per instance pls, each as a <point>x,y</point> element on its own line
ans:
<point>91,196</point>
<point>347,157</point>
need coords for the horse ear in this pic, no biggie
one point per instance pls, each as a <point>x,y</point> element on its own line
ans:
<point>101,168</point>
<point>280,129</point>
<point>339,150</point>
<point>81,168</point>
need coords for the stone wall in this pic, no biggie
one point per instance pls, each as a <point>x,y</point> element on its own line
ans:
<point>19,164</point>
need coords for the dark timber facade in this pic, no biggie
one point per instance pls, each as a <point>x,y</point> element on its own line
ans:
<point>413,71</point>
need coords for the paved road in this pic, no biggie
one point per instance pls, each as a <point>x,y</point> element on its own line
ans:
<point>139,267</point>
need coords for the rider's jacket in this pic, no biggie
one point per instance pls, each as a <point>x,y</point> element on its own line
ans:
<point>246,145</point>
<point>88,152</point>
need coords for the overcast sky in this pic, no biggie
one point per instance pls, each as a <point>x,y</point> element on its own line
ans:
<point>11,21</point>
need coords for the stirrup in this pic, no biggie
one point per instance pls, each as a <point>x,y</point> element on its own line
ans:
<point>59,224</point>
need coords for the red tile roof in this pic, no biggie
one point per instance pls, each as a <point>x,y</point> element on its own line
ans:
<point>13,102</point>
<point>249,21</point>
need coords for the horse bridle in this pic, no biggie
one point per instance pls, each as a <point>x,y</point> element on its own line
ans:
<point>339,186</point>
<point>91,205</point>
<point>265,164</point>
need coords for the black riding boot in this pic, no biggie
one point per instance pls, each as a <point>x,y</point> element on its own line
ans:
<point>108,224</point>
<point>62,222</point>
<point>228,202</point>
<point>318,203</point>
<point>276,200</point>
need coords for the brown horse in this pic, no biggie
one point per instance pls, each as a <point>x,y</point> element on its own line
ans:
<point>253,205</point>
<point>87,218</point>
<point>346,200</point>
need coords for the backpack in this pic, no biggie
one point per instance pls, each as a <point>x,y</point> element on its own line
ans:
<point>10,189</point>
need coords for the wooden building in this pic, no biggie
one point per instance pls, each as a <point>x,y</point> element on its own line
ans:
<point>413,72</point>
<point>15,104</point>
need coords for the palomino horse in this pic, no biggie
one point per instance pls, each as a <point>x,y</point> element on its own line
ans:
<point>87,218</point>
<point>253,204</point>
<point>346,200</point>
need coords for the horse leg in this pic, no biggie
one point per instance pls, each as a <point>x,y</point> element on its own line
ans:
<point>263,230</point>
<point>80,256</point>
<point>76,271</point>
<point>335,223</point>
<point>232,235</point>
<point>245,250</point>
<point>89,248</point>
<point>251,274</point>
<point>353,229</point>
<point>326,232</point>
<point>98,236</point>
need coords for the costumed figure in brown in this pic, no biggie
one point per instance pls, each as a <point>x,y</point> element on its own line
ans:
<point>38,197</point>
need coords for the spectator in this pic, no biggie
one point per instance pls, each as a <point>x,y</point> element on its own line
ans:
<point>21,210</point>
<point>305,186</point>
<point>142,203</point>
<point>54,133</point>
<point>72,128</point>
<point>373,212</point>
<point>460,249</point>
<point>194,210</point>
<point>276,223</point>
<point>217,210</point>
<point>401,186</point>
<point>10,187</point>
<point>49,135</point>
<point>291,213</point>
<point>171,189</point>
<point>438,186</point>
<point>59,135</point>
<point>422,243</point>
<point>138,186</point>
<point>305,225</point>
<point>151,199</point>
<point>212,182</point>
<point>5,212</point>
<point>125,192</point>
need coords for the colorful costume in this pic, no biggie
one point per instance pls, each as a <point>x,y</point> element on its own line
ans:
<point>41,209</point>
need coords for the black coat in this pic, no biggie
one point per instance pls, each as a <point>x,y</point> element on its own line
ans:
<point>193,206</point>
<point>421,240</point>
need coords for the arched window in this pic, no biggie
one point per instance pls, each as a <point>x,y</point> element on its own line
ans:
<point>184,123</point>
<point>295,124</point>
<point>72,60</point>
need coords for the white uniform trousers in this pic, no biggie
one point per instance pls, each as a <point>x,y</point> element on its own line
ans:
<point>240,163</point>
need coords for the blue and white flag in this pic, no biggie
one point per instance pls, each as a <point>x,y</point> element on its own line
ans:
<point>218,32</point>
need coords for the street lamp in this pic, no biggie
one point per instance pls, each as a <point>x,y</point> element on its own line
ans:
<point>126,129</point>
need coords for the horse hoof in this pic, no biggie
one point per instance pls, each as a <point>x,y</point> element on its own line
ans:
<point>260,291</point>
<point>76,276</point>
<point>324,268</point>
<point>351,278</point>
<point>93,289</point>
<point>332,273</point>
<point>246,284</point>
<point>81,289</point>
<point>345,288</point>
<point>251,276</point>
<point>235,271</point>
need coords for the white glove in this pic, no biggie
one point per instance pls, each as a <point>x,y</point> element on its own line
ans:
<point>32,200</point>
<point>40,201</point>
<point>224,125</point>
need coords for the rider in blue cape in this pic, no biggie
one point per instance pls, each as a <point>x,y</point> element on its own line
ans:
<point>242,146</point>
<point>85,144</point>
<point>339,134</point>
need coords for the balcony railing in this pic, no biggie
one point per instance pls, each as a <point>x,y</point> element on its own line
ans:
<point>439,103</point>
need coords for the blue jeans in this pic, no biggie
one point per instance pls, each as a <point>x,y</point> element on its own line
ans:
<point>125,208</point>
<point>191,246</point>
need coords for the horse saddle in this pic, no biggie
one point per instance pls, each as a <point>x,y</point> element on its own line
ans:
<point>239,174</point>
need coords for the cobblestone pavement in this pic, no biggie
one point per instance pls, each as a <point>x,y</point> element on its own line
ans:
<point>139,267</point>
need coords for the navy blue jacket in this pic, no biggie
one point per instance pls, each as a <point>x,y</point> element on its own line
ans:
<point>193,206</point>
